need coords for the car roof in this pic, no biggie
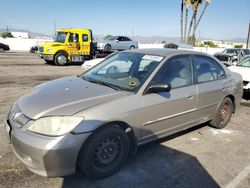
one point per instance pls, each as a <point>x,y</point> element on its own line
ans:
<point>164,51</point>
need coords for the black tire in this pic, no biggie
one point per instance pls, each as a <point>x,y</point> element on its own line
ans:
<point>132,47</point>
<point>104,153</point>
<point>107,47</point>
<point>61,59</point>
<point>223,114</point>
<point>49,62</point>
<point>1,50</point>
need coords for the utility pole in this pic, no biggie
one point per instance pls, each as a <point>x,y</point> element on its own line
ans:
<point>132,33</point>
<point>248,35</point>
<point>55,27</point>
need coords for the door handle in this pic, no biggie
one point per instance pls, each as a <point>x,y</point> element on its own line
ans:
<point>190,97</point>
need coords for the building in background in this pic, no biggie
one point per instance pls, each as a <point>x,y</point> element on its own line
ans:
<point>22,35</point>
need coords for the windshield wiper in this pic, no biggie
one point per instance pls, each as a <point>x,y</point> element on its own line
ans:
<point>101,83</point>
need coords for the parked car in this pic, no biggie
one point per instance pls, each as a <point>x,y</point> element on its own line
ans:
<point>117,43</point>
<point>96,120</point>
<point>4,47</point>
<point>228,56</point>
<point>243,68</point>
<point>91,63</point>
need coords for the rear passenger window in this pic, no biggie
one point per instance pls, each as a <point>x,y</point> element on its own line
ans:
<point>207,69</point>
<point>85,38</point>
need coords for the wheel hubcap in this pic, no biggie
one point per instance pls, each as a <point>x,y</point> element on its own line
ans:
<point>61,59</point>
<point>224,113</point>
<point>106,152</point>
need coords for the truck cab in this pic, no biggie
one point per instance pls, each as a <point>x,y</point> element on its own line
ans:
<point>70,45</point>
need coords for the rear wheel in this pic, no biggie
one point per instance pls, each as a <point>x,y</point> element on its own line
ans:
<point>107,47</point>
<point>132,47</point>
<point>61,59</point>
<point>223,114</point>
<point>104,153</point>
<point>1,50</point>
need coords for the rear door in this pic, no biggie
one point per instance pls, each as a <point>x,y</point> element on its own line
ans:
<point>85,43</point>
<point>212,84</point>
<point>167,112</point>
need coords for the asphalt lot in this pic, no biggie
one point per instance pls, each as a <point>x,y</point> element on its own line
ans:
<point>199,157</point>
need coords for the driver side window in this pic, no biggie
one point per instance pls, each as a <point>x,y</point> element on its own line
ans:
<point>176,71</point>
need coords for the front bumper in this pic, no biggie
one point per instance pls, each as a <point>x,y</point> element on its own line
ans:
<point>43,155</point>
<point>47,57</point>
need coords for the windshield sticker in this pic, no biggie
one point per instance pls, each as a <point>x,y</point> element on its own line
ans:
<point>152,57</point>
<point>132,83</point>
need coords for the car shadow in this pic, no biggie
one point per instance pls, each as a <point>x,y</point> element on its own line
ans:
<point>155,165</point>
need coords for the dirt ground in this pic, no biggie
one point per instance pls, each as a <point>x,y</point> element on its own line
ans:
<point>199,157</point>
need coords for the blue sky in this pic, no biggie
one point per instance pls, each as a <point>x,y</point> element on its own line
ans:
<point>223,19</point>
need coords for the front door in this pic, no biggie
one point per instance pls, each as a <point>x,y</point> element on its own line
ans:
<point>166,112</point>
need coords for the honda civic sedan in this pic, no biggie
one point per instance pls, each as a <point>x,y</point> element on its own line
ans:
<point>96,120</point>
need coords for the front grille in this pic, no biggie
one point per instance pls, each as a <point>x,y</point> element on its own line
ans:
<point>17,118</point>
<point>245,83</point>
<point>40,49</point>
<point>222,57</point>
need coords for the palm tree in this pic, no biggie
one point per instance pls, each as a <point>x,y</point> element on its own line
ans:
<point>182,21</point>
<point>203,11</point>
<point>195,4</point>
<point>187,5</point>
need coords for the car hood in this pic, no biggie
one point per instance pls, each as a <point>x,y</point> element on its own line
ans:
<point>65,96</point>
<point>243,71</point>
<point>52,44</point>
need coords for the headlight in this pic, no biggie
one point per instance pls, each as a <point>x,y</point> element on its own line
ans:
<point>49,50</point>
<point>54,126</point>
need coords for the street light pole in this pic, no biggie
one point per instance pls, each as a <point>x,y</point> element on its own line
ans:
<point>248,35</point>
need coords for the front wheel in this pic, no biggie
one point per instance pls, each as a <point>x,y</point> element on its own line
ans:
<point>104,153</point>
<point>1,50</point>
<point>132,47</point>
<point>223,114</point>
<point>61,59</point>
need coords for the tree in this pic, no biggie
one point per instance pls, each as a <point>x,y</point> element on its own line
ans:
<point>187,5</point>
<point>210,44</point>
<point>107,37</point>
<point>204,9</point>
<point>182,5</point>
<point>6,35</point>
<point>238,45</point>
<point>195,5</point>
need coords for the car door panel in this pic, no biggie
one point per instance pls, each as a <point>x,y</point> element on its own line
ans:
<point>167,112</point>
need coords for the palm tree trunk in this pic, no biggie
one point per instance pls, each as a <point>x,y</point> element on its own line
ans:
<point>194,29</point>
<point>185,29</point>
<point>182,21</point>
<point>201,16</point>
<point>191,25</point>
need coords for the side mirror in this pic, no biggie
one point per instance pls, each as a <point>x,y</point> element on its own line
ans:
<point>157,88</point>
<point>116,40</point>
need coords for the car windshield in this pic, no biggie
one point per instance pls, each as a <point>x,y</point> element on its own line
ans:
<point>230,51</point>
<point>112,38</point>
<point>60,37</point>
<point>123,71</point>
<point>244,63</point>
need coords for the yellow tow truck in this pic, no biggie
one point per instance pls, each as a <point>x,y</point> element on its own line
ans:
<point>70,45</point>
